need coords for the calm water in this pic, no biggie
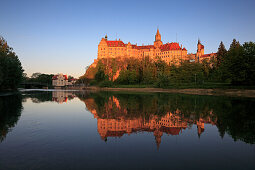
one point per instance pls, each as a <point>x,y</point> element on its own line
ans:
<point>84,130</point>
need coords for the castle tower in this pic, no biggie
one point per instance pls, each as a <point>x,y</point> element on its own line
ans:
<point>157,42</point>
<point>158,134</point>
<point>200,49</point>
<point>157,36</point>
<point>102,49</point>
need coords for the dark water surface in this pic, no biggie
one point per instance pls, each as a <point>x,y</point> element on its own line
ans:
<point>118,130</point>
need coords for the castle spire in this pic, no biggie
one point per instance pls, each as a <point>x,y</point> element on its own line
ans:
<point>157,133</point>
<point>158,31</point>
<point>157,42</point>
<point>157,36</point>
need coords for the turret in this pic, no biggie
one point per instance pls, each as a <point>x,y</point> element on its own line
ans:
<point>157,36</point>
<point>102,49</point>
<point>158,134</point>
<point>200,49</point>
<point>157,42</point>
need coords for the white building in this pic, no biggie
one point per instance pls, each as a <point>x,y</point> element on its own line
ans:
<point>59,80</point>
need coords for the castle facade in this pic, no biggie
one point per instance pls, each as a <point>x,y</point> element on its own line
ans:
<point>171,53</point>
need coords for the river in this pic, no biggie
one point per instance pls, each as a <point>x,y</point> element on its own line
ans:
<point>125,130</point>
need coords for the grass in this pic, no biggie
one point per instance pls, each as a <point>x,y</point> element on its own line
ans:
<point>133,86</point>
<point>206,85</point>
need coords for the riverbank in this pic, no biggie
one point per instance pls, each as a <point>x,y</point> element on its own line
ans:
<point>216,92</point>
<point>199,91</point>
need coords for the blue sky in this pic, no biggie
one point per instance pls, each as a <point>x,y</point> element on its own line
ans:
<point>62,36</point>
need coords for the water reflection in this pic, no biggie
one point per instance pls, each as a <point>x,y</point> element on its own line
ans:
<point>118,114</point>
<point>10,111</point>
<point>124,113</point>
<point>62,96</point>
<point>56,130</point>
<point>172,123</point>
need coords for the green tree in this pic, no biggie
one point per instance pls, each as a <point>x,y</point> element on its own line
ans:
<point>70,77</point>
<point>11,71</point>
<point>230,67</point>
<point>249,62</point>
<point>35,75</point>
<point>235,44</point>
<point>40,78</point>
<point>221,53</point>
<point>238,65</point>
<point>100,74</point>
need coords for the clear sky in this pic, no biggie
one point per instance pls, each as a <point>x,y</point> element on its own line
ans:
<point>51,36</point>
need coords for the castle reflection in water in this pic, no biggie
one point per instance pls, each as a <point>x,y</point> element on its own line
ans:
<point>118,113</point>
<point>62,96</point>
<point>172,123</point>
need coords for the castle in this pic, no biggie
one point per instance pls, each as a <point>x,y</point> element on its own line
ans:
<point>171,53</point>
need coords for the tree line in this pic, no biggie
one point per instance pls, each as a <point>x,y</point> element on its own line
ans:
<point>235,66</point>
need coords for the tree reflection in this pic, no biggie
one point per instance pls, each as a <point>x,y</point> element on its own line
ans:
<point>38,96</point>
<point>119,113</point>
<point>10,111</point>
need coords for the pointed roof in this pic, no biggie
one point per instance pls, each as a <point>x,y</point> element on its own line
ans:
<point>157,32</point>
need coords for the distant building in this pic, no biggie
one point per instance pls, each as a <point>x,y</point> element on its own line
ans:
<point>72,81</point>
<point>60,80</point>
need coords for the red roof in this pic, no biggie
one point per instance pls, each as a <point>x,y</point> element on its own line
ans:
<point>145,47</point>
<point>207,55</point>
<point>115,44</point>
<point>170,46</point>
<point>55,77</point>
<point>164,47</point>
<point>66,78</point>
